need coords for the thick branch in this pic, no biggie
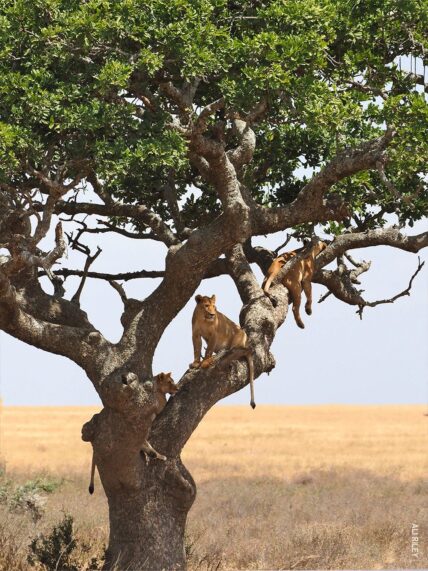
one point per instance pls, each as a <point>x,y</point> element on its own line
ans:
<point>379,237</point>
<point>245,150</point>
<point>310,204</point>
<point>80,344</point>
<point>340,285</point>
<point>134,211</point>
<point>341,281</point>
<point>242,274</point>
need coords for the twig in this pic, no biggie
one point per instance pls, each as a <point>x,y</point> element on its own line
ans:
<point>398,295</point>
<point>89,260</point>
<point>324,296</point>
<point>119,288</point>
<point>389,185</point>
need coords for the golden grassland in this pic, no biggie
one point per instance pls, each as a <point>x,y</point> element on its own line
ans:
<point>234,441</point>
<point>281,487</point>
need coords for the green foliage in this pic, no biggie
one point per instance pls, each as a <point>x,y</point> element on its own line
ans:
<point>12,493</point>
<point>40,484</point>
<point>71,72</point>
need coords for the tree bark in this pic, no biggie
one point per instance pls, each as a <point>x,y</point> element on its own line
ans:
<point>146,529</point>
<point>148,500</point>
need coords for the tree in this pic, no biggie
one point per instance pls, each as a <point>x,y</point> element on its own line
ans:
<point>201,125</point>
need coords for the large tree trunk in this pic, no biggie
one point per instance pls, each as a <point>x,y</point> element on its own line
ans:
<point>147,527</point>
<point>148,501</point>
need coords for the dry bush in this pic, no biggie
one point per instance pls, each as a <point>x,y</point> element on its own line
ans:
<point>12,544</point>
<point>54,543</point>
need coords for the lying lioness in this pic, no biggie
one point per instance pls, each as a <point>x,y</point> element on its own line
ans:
<point>220,333</point>
<point>298,277</point>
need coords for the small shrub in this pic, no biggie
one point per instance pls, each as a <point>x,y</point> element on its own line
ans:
<point>42,484</point>
<point>61,550</point>
<point>55,551</point>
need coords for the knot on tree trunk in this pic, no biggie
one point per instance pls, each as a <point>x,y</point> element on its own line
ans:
<point>131,309</point>
<point>177,482</point>
<point>124,392</point>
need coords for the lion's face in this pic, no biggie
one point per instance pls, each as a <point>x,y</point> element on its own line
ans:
<point>280,262</point>
<point>284,258</point>
<point>319,247</point>
<point>166,383</point>
<point>207,306</point>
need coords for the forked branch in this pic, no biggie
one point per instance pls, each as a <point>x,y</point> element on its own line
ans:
<point>120,290</point>
<point>89,261</point>
<point>395,297</point>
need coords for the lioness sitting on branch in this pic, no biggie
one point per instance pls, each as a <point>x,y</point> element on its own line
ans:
<point>220,333</point>
<point>162,385</point>
<point>298,277</point>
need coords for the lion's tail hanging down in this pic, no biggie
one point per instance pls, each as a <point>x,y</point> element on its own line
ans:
<point>91,483</point>
<point>249,357</point>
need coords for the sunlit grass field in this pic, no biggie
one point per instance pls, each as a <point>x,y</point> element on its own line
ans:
<point>281,487</point>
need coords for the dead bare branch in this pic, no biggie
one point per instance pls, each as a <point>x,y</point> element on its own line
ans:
<point>89,261</point>
<point>395,297</point>
<point>119,288</point>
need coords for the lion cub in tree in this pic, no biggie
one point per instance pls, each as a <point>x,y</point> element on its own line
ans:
<point>298,277</point>
<point>220,333</point>
<point>162,385</point>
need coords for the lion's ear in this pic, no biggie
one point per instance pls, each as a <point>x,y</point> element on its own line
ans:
<point>168,374</point>
<point>213,298</point>
<point>198,298</point>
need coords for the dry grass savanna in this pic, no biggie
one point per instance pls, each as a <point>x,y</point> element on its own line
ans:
<point>287,487</point>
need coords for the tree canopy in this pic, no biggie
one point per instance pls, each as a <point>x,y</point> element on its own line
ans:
<point>111,90</point>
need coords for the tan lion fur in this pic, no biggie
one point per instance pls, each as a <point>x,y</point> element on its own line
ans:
<point>220,333</point>
<point>298,277</point>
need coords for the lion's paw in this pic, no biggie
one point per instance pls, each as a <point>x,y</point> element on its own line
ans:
<point>207,363</point>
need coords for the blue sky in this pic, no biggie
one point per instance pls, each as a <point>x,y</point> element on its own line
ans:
<point>337,359</point>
